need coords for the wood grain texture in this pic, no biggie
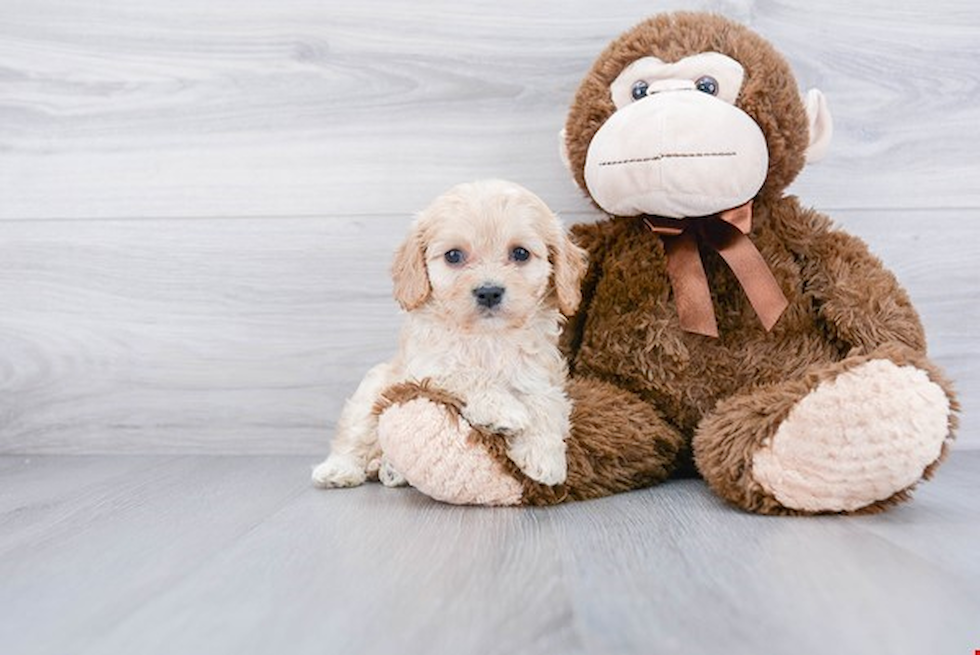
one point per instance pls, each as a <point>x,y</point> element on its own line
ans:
<point>198,200</point>
<point>127,109</point>
<point>206,336</point>
<point>245,336</point>
<point>239,555</point>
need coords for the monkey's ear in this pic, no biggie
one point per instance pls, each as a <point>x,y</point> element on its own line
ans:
<point>563,150</point>
<point>820,123</point>
<point>569,263</point>
<point>409,274</point>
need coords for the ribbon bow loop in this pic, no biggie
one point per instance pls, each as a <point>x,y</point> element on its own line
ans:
<point>727,234</point>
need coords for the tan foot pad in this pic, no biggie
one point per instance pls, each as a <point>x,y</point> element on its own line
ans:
<point>431,447</point>
<point>856,439</point>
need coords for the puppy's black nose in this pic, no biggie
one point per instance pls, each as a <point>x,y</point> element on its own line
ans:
<point>488,296</point>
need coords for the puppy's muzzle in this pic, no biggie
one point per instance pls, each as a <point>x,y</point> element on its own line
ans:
<point>488,296</point>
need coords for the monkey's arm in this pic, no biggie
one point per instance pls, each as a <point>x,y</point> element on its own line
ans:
<point>860,300</point>
<point>588,236</point>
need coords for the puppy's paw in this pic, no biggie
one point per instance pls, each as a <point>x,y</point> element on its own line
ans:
<point>339,471</point>
<point>373,468</point>
<point>388,476</point>
<point>543,462</point>
<point>499,413</point>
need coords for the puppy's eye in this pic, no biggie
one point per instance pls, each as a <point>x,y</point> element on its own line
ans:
<point>455,257</point>
<point>520,254</point>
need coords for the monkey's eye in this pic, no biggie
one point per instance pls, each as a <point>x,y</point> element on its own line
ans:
<point>707,84</point>
<point>520,254</point>
<point>639,90</point>
<point>455,257</point>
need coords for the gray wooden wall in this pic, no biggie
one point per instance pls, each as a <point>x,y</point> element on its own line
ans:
<point>199,198</point>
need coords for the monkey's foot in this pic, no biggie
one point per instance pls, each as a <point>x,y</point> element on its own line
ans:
<point>425,438</point>
<point>862,437</point>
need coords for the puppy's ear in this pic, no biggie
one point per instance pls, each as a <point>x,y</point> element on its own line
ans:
<point>569,263</point>
<point>409,274</point>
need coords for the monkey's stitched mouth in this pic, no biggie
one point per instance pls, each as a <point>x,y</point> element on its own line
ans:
<point>667,155</point>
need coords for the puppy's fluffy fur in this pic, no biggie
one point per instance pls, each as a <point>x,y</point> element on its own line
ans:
<point>486,276</point>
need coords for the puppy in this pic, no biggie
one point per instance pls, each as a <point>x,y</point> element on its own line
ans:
<point>486,277</point>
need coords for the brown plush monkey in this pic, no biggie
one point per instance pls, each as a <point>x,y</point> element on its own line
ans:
<point>722,324</point>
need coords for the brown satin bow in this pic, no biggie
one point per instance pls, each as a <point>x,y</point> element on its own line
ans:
<point>726,233</point>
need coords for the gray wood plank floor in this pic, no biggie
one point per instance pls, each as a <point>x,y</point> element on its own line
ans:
<point>205,554</point>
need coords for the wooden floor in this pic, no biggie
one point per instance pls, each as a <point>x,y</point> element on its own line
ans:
<point>219,554</point>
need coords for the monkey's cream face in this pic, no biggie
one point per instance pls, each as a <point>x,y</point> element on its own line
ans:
<point>677,145</point>
<point>487,255</point>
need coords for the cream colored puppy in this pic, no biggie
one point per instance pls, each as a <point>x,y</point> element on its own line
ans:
<point>486,276</point>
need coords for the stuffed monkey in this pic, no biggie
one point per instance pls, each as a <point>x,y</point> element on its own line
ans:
<point>722,324</point>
